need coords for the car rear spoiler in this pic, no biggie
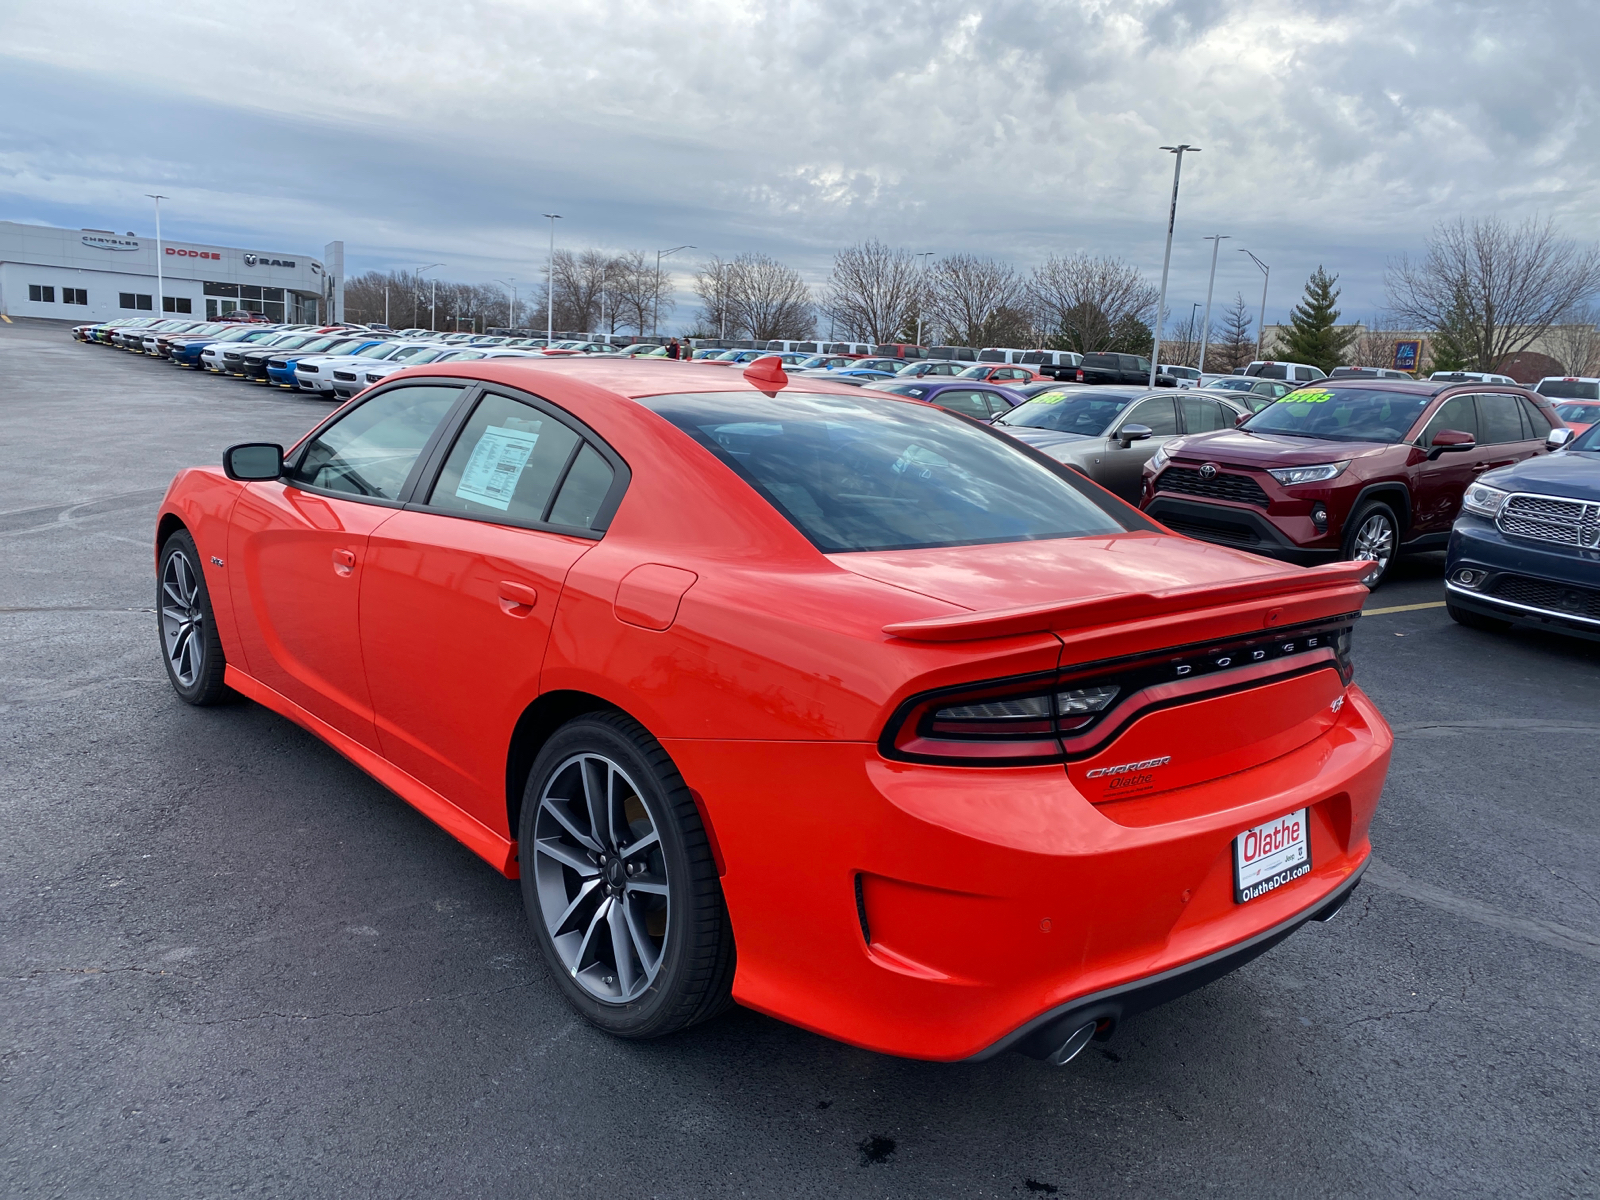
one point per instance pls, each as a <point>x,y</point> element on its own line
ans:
<point>1100,610</point>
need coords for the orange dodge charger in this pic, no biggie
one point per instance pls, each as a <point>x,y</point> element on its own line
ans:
<point>961,753</point>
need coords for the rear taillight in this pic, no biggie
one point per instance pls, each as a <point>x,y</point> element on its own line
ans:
<point>1079,374</point>
<point>1071,713</point>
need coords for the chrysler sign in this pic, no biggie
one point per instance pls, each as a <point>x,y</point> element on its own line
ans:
<point>109,242</point>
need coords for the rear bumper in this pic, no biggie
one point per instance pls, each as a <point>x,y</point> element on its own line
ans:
<point>1234,525</point>
<point>946,914</point>
<point>1042,1035</point>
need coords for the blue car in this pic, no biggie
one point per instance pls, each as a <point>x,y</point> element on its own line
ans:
<point>280,367</point>
<point>969,397</point>
<point>1526,547</point>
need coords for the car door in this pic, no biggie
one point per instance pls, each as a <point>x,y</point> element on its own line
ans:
<point>1438,485</point>
<point>460,589</point>
<point>966,401</point>
<point>297,549</point>
<point>1120,468</point>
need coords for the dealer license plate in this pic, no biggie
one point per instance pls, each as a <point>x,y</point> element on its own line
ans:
<point>1271,855</point>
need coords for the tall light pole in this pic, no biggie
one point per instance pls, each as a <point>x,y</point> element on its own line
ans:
<point>1261,325</point>
<point>550,283</point>
<point>1192,307</point>
<point>922,289</point>
<point>160,286</point>
<point>1166,262</point>
<point>655,304</point>
<point>416,296</point>
<point>1216,240</point>
<point>512,322</point>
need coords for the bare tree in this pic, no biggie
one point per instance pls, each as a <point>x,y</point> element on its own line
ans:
<point>637,291</point>
<point>1503,286</point>
<point>970,298</point>
<point>580,279</point>
<point>712,283</point>
<point>1180,345</point>
<point>1374,346</point>
<point>768,299</point>
<point>1084,300</point>
<point>871,290</point>
<point>1575,343</point>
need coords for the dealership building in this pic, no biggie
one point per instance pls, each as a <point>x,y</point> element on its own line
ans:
<point>99,275</point>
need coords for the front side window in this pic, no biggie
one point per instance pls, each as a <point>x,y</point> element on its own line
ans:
<point>370,451</point>
<point>1158,413</point>
<point>506,462</point>
<point>882,474</point>
<point>1342,414</point>
<point>1458,413</point>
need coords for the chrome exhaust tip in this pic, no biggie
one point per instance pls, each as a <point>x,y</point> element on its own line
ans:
<point>1069,1049</point>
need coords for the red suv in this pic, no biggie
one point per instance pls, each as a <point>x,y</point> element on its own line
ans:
<point>1345,469</point>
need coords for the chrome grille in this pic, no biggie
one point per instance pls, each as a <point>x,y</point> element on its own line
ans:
<point>1551,519</point>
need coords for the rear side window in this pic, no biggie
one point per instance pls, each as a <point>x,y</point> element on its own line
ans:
<point>1203,416</point>
<point>1499,419</point>
<point>883,474</point>
<point>370,451</point>
<point>506,462</point>
<point>967,403</point>
<point>583,491</point>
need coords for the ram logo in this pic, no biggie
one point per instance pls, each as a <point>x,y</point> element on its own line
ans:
<point>1124,768</point>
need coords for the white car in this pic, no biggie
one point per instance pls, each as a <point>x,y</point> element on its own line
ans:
<point>315,374</point>
<point>1293,372</point>
<point>214,357</point>
<point>434,354</point>
<point>1471,377</point>
<point>1569,387</point>
<point>1187,377</point>
<point>353,374</point>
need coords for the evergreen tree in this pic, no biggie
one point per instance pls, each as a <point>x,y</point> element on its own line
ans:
<point>1132,336</point>
<point>1450,347</point>
<point>1313,334</point>
<point>1238,347</point>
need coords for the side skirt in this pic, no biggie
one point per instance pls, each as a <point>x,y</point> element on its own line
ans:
<point>477,837</point>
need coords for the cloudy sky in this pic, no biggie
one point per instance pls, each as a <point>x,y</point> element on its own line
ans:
<point>1333,131</point>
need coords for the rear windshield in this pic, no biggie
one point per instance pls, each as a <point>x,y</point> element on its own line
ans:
<point>1083,413</point>
<point>1344,414</point>
<point>1569,389</point>
<point>1583,414</point>
<point>884,474</point>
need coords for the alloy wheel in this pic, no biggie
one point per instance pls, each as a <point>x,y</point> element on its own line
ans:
<point>182,619</point>
<point>1375,544</point>
<point>601,878</point>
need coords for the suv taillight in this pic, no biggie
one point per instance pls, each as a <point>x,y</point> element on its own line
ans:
<point>1056,716</point>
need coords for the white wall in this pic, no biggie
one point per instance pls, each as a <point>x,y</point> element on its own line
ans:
<point>104,288</point>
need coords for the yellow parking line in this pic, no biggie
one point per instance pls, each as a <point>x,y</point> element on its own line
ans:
<point>1378,612</point>
<point>5,318</point>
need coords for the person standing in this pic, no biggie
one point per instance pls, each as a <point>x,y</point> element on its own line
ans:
<point>674,350</point>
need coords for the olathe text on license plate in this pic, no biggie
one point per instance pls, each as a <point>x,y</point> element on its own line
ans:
<point>1271,855</point>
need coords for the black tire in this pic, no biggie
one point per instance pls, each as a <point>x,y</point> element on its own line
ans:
<point>185,626</point>
<point>1364,529</point>
<point>1476,620</point>
<point>692,975</point>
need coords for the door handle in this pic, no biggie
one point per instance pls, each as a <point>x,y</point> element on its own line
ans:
<point>516,599</point>
<point>344,561</point>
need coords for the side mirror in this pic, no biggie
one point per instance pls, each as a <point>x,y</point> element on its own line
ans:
<point>1448,441</point>
<point>1129,434</point>
<point>1242,418</point>
<point>1558,438</point>
<point>253,462</point>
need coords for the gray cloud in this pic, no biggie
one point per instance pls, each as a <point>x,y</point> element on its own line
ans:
<point>1333,133</point>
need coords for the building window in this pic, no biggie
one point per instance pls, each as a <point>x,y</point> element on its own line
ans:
<point>176,304</point>
<point>74,295</point>
<point>136,301</point>
<point>231,290</point>
<point>41,295</point>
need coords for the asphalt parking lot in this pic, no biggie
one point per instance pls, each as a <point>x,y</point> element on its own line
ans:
<point>237,965</point>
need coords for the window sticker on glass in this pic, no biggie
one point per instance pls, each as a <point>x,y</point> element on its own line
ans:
<point>496,466</point>
<point>1309,396</point>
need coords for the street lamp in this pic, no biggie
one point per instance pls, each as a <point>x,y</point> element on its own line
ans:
<point>160,287</point>
<point>922,289</point>
<point>655,304</point>
<point>1192,307</point>
<point>416,297</point>
<point>1216,240</point>
<point>550,283</point>
<point>1172,219</point>
<point>512,322</point>
<point>1261,325</point>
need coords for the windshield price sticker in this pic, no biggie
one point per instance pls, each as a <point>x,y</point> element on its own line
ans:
<point>1271,855</point>
<point>1308,397</point>
<point>496,466</point>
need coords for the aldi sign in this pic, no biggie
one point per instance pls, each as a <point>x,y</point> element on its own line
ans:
<point>1406,355</point>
